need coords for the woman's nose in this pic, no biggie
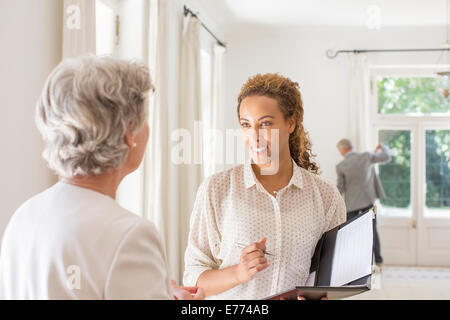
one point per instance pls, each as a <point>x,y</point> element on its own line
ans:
<point>252,134</point>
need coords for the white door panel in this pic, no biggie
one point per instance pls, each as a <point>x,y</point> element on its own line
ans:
<point>398,240</point>
<point>434,224</point>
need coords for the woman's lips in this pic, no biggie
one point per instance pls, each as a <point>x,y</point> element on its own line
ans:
<point>259,149</point>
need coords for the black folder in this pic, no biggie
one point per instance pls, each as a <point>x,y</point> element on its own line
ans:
<point>322,264</point>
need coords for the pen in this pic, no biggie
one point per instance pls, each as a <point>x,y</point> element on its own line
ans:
<point>242,245</point>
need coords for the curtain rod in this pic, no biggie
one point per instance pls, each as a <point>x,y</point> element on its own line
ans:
<point>332,55</point>
<point>189,11</point>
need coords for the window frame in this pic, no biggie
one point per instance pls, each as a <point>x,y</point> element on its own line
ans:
<point>416,123</point>
<point>401,71</point>
<point>423,128</point>
<point>412,167</point>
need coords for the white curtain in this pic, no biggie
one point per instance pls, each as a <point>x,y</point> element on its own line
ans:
<point>359,127</point>
<point>78,28</point>
<point>170,187</point>
<point>189,174</point>
<point>161,204</point>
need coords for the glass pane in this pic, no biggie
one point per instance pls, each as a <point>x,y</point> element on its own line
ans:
<point>408,95</point>
<point>438,171</point>
<point>396,175</point>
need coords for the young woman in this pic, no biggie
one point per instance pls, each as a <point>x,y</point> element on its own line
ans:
<point>277,205</point>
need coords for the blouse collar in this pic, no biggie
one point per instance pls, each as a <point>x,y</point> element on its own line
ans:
<point>250,178</point>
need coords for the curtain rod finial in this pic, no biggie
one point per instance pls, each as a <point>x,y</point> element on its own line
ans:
<point>188,11</point>
<point>331,54</point>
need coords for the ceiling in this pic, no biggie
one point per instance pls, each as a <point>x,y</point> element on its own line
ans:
<point>334,12</point>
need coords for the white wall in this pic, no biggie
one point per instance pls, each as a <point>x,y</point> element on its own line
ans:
<point>299,53</point>
<point>31,43</point>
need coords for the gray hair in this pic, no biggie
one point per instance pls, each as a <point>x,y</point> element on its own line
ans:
<point>85,109</point>
<point>345,143</point>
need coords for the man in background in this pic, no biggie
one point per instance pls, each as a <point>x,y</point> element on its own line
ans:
<point>359,183</point>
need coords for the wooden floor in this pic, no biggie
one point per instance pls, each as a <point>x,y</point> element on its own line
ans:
<point>409,283</point>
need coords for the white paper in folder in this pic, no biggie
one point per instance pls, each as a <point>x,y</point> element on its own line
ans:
<point>353,251</point>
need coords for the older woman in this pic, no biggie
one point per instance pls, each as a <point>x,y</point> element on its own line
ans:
<point>277,203</point>
<point>73,241</point>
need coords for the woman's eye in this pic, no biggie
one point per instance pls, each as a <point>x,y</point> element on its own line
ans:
<point>245,125</point>
<point>266,124</point>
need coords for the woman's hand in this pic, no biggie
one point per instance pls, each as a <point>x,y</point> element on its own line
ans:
<point>187,293</point>
<point>252,261</point>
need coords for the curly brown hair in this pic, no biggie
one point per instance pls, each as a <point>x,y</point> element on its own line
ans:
<point>288,95</point>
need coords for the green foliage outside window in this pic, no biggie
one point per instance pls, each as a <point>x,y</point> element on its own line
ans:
<point>438,168</point>
<point>409,96</point>
<point>396,175</point>
<point>412,96</point>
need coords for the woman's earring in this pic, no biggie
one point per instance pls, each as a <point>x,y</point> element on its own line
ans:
<point>134,145</point>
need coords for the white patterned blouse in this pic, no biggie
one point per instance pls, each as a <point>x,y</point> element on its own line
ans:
<point>232,206</point>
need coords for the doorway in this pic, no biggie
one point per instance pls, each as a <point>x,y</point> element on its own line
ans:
<point>412,119</point>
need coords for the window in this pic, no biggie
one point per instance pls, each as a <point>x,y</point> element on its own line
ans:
<point>206,91</point>
<point>105,27</point>
<point>120,26</point>
<point>438,169</point>
<point>206,71</point>
<point>412,118</point>
<point>410,95</point>
<point>396,175</point>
